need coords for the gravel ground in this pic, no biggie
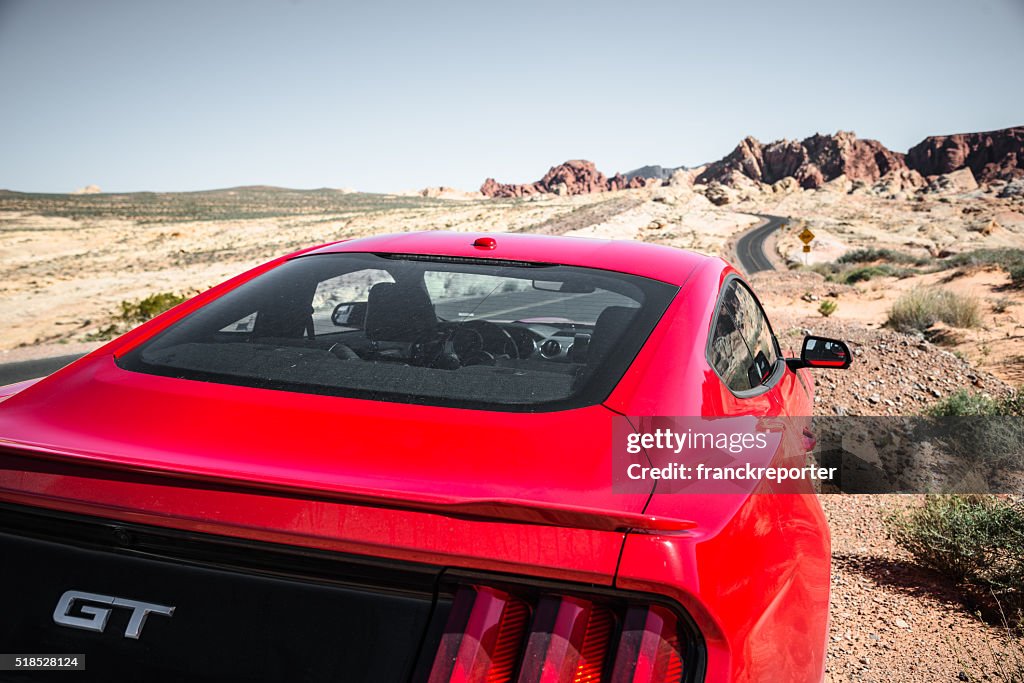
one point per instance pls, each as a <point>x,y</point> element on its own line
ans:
<point>892,621</point>
<point>891,374</point>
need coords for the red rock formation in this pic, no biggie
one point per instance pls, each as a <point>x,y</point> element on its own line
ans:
<point>573,177</point>
<point>492,188</point>
<point>578,176</point>
<point>812,162</point>
<point>621,182</point>
<point>845,154</point>
<point>992,155</point>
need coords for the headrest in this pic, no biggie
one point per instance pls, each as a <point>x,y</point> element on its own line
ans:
<point>608,329</point>
<point>398,313</point>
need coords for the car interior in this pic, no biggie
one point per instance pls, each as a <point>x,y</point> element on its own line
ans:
<point>393,325</point>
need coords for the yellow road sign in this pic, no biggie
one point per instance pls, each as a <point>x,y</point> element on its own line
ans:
<point>807,248</point>
<point>806,236</point>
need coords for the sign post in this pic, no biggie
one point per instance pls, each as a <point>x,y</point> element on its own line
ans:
<point>806,236</point>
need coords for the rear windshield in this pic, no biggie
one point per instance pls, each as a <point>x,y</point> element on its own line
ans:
<point>474,333</point>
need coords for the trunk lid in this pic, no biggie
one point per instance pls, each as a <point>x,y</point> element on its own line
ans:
<point>552,468</point>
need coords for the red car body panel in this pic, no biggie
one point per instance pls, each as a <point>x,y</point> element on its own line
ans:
<point>520,493</point>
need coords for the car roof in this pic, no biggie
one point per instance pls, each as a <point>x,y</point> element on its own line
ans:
<point>667,264</point>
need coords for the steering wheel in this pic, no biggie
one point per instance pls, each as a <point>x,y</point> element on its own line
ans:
<point>427,348</point>
<point>496,339</point>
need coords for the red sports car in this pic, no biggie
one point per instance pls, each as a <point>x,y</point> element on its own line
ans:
<point>390,459</point>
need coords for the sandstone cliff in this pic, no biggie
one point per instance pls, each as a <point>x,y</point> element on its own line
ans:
<point>576,176</point>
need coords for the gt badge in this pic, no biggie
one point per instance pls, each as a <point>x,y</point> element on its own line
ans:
<point>92,617</point>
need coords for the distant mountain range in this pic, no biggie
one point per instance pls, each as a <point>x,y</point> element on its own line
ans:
<point>993,155</point>
<point>659,172</point>
<point>813,161</point>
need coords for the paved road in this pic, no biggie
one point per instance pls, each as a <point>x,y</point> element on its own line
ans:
<point>750,246</point>
<point>30,369</point>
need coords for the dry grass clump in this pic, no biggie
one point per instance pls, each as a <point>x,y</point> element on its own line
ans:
<point>922,307</point>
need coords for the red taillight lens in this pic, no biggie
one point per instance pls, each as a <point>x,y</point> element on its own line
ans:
<point>483,638</point>
<point>570,639</point>
<point>649,647</point>
<point>595,647</point>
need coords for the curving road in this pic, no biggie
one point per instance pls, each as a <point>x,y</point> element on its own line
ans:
<point>30,369</point>
<point>750,245</point>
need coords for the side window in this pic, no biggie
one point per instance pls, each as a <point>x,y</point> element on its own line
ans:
<point>743,351</point>
<point>350,287</point>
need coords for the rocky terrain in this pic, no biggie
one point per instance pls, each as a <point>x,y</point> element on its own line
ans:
<point>810,162</point>
<point>990,156</point>
<point>814,161</point>
<point>572,177</point>
<point>891,621</point>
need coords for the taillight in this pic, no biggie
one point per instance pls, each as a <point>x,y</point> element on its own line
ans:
<point>568,641</point>
<point>482,639</point>
<point>649,647</point>
<point>499,636</point>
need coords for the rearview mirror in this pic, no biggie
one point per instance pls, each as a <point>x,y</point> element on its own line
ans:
<point>822,352</point>
<point>350,314</point>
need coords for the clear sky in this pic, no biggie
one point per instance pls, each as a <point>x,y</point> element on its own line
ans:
<point>200,94</point>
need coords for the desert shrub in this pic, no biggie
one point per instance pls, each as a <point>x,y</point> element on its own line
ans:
<point>976,541</point>
<point>921,307</point>
<point>836,271</point>
<point>1003,303</point>
<point>1010,260</point>
<point>104,333</point>
<point>983,432</point>
<point>958,310</point>
<point>1017,275</point>
<point>870,255</point>
<point>135,312</point>
<point>915,310</point>
<point>963,403</point>
<point>827,269</point>
<point>141,310</point>
<point>864,273</point>
<point>1006,258</point>
<point>1013,404</point>
<point>827,307</point>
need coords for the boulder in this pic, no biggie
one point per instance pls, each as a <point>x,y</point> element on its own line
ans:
<point>956,182</point>
<point>718,194</point>
<point>1012,189</point>
<point>902,181</point>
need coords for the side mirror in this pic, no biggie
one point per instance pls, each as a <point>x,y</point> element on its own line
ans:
<point>350,314</point>
<point>821,352</point>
